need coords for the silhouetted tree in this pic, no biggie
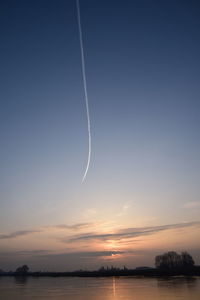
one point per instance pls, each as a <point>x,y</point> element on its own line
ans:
<point>187,260</point>
<point>173,260</point>
<point>22,270</point>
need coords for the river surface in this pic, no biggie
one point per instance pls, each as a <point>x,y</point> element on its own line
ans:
<point>112,288</point>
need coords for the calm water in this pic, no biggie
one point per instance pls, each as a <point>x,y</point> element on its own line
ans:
<point>99,288</point>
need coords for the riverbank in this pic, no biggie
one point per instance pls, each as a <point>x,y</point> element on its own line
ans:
<point>150,272</point>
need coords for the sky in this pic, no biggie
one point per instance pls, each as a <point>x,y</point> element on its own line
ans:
<point>141,194</point>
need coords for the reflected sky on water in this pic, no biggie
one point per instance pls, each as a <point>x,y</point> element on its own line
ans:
<point>99,288</point>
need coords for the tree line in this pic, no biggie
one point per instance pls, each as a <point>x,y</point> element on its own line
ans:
<point>172,260</point>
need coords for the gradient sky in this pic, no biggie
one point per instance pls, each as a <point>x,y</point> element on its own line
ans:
<point>141,194</point>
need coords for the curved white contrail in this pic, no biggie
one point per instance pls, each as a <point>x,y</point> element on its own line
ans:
<point>85,88</point>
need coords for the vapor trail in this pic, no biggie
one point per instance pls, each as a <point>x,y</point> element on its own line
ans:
<point>85,88</point>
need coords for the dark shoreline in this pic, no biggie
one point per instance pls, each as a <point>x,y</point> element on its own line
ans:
<point>195,271</point>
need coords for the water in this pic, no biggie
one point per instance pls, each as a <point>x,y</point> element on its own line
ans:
<point>113,288</point>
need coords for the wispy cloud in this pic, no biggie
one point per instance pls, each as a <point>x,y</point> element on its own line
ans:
<point>16,234</point>
<point>125,233</point>
<point>128,232</point>
<point>124,209</point>
<point>20,233</point>
<point>76,254</point>
<point>78,226</point>
<point>24,253</point>
<point>85,254</point>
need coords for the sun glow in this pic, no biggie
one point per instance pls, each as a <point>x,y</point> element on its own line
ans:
<point>112,244</point>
